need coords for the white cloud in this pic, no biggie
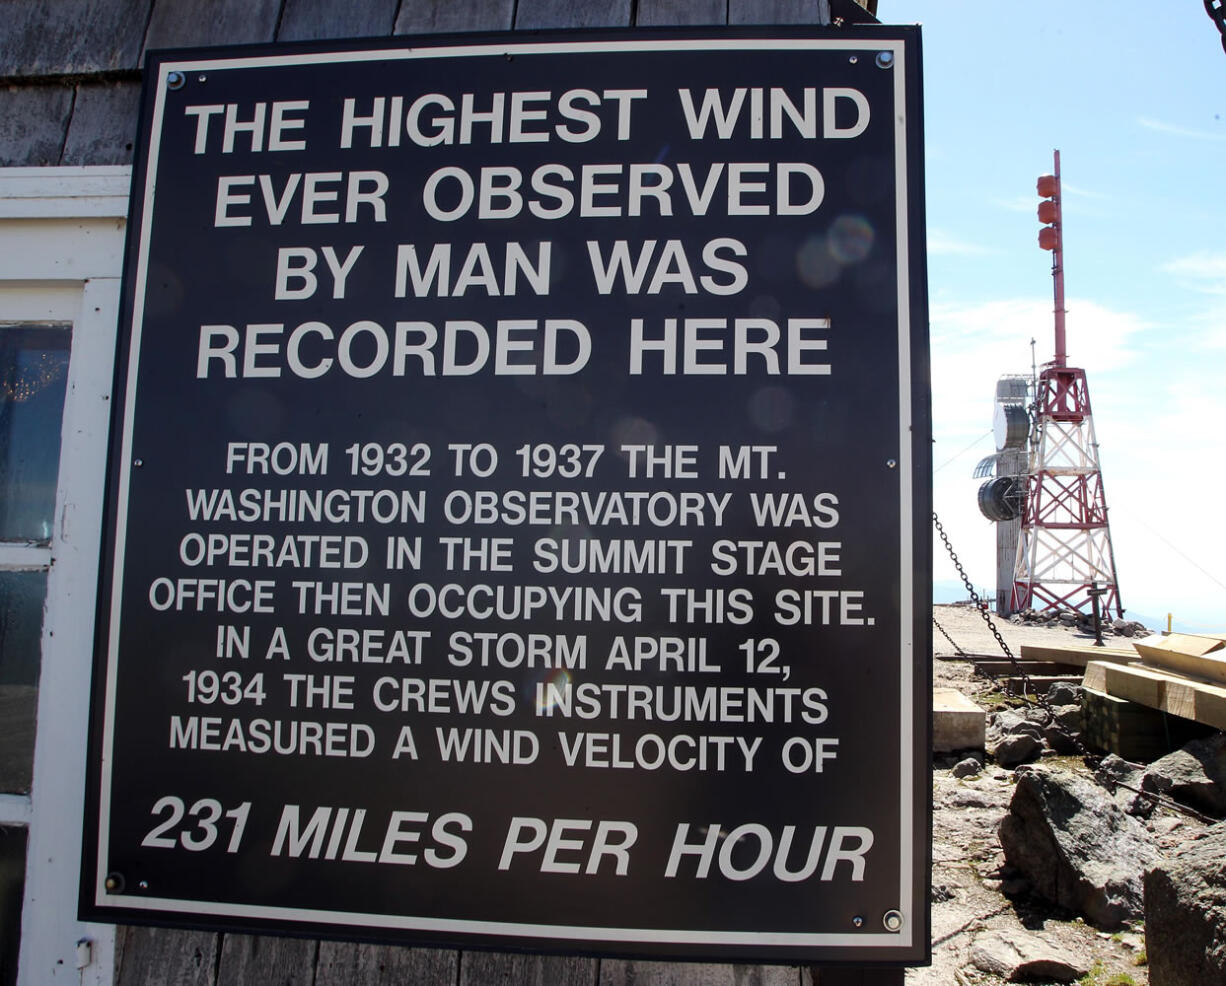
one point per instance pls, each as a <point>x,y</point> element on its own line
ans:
<point>1178,131</point>
<point>1019,203</point>
<point>946,244</point>
<point>1203,271</point>
<point>1081,192</point>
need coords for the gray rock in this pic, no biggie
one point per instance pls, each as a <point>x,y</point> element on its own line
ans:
<point>1021,956</point>
<point>1068,717</point>
<point>1067,617</point>
<point>1015,736</point>
<point>967,768</point>
<point>1112,773</point>
<point>1063,732</point>
<point>1012,722</point>
<point>1129,628</point>
<point>1194,775</point>
<point>1062,693</point>
<point>1076,846</point>
<point>1017,748</point>
<point>1185,914</point>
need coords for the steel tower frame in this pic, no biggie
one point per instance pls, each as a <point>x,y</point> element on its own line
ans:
<point>1065,559</point>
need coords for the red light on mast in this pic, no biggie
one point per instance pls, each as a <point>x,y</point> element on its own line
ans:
<point>1049,212</point>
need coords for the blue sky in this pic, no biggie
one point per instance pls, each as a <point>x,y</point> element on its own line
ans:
<point>1134,96</point>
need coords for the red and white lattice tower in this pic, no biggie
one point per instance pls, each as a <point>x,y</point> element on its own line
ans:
<point>1064,555</point>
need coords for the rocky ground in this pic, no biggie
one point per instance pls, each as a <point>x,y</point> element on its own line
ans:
<point>980,907</point>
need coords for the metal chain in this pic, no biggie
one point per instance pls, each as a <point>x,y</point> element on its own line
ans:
<point>1216,9</point>
<point>1027,687</point>
<point>945,633</point>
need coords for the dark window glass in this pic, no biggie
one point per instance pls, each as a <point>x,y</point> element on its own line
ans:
<point>12,880</point>
<point>33,382</point>
<point>21,627</point>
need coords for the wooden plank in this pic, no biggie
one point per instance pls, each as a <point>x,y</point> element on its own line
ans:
<point>1185,697</point>
<point>628,972</point>
<point>995,667</point>
<point>307,20</point>
<point>437,16</point>
<point>536,14</point>
<point>33,122</point>
<point>1039,683</point>
<point>264,959</point>
<point>1077,654</point>
<point>859,977</point>
<point>485,968</point>
<point>71,37</point>
<point>1186,653</point>
<point>103,125</point>
<point>778,12</point>
<point>165,957</point>
<point>224,22</point>
<point>670,13</point>
<point>352,964</point>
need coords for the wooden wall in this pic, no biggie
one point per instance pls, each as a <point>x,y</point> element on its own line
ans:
<point>69,94</point>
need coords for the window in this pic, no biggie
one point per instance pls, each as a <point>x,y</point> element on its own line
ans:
<point>61,246</point>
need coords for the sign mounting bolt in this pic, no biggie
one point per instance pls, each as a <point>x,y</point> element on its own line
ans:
<point>858,921</point>
<point>114,883</point>
<point>175,80</point>
<point>885,59</point>
<point>138,462</point>
<point>892,920</point>
<point>889,463</point>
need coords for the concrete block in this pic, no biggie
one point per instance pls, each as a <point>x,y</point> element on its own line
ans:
<point>957,722</point>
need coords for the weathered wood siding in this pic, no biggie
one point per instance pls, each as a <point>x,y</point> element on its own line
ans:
<point>69,94</point>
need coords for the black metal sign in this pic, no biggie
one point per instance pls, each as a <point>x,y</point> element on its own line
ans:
<point>519,497</point>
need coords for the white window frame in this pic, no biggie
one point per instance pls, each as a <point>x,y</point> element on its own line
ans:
<point>61,256</point>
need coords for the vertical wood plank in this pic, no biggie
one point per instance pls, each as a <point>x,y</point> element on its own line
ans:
<point>33,123</point>
<point>163,957</point>
<point>262,960</point>
<point>628,972</point>
<point>535,14</point>
<point>778,11</point>
<point>175,24</point>
<point>670,13</point>
<point>858,977</point>
<point>103,125</point>
<point>307,20</point>
<point>71,37</point>
<point>436,16</point>
<point>349,964</point>
<point>516,969</point>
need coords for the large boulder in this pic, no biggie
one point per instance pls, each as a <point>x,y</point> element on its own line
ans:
<point>1194,775</point>
<point>1185,914</point>
<point>1075,845</point>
